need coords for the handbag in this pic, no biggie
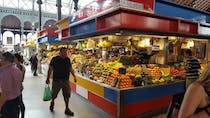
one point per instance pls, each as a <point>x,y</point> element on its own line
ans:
<point>47,93</point>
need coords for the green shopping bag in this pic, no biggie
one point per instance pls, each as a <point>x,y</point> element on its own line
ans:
<point>47,93</point>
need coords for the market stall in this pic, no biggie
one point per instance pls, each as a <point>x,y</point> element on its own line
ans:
<point>47,47</point>
<point>125,66</point>
<point>144,84</point>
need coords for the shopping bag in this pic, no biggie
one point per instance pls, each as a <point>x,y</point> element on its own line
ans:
<point>47,93</point>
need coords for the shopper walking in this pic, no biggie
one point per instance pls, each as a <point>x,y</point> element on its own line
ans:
<point>34,63</point>
<point>19,63</point>
<point>196,102</point>
<point>10,86</point>
<point>61,67</point>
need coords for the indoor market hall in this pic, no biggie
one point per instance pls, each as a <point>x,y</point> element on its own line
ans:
<point>121,58</point>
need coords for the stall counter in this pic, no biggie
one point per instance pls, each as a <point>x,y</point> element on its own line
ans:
<point>123,103</point>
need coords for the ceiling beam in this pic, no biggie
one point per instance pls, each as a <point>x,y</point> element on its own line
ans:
<point>201,4</point>
<point>197,4</point>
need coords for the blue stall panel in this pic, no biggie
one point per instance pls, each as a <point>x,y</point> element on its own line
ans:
<point>110,94</point>
<point>48,39</point>
<point>72,19</point>
<point>83,28</point>
<point>167,8</point>
<point>148,93</point>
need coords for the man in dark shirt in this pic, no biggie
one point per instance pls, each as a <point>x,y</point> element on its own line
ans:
<point>61,67</point>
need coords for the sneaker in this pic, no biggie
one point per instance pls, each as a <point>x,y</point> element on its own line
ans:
<point>69,112</point>
<point>51,107</point>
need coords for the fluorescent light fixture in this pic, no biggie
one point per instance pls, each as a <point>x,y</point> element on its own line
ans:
<point>118,34</point>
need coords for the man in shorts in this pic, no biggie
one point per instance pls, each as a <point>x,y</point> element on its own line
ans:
<point>61,67</point>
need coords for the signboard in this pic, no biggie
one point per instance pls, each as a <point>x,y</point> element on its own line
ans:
<point>142,5</point>
<point>204,30</point>
<point>102,6</point>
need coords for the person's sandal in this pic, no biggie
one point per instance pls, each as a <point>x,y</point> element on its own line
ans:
<point>69,112</point>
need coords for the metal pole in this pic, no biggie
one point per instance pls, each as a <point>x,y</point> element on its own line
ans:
<point>58,4</point>
<point>76,4</point>
<point>39,2</point>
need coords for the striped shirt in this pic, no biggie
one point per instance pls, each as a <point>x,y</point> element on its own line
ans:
<point>192,68</point>
<point>10,80</point>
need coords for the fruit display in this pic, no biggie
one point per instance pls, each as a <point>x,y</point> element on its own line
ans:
<point>134,69</point>
<point>119,80</point>
<point>138,75</point>
<point>101,72</point>
<point>108,71</point>
<point>174,72</point>
<point>49,51</point>
<point>80,45</point>
<point>203,66</point>
<point>115,65</point>
<point>156,72</point>
<point>177,72</point>
<point>76,59</point>
<point>91,44</point>
<point>104,44</point>
<point>47,56</point>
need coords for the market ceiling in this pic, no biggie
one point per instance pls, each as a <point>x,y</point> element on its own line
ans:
<point>203,5</point>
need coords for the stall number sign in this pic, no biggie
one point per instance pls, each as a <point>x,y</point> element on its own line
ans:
<point>142,5</point>
<point>130,4</point>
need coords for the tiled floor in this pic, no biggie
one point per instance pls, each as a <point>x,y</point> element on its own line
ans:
<point>36,108</point>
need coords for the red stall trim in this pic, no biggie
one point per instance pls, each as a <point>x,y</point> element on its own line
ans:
<point>73,86</point>
<point>102,103</point>
<point>145,106</point>
<point>137,20</point>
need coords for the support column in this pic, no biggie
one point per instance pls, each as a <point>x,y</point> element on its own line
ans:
<point>1,40</point>
<point>59,5</point>
<point>76,4</point>
<point>39,2</point>
<point>21,36</point>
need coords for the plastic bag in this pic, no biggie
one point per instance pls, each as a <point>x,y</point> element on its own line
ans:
<point>47,93</point>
